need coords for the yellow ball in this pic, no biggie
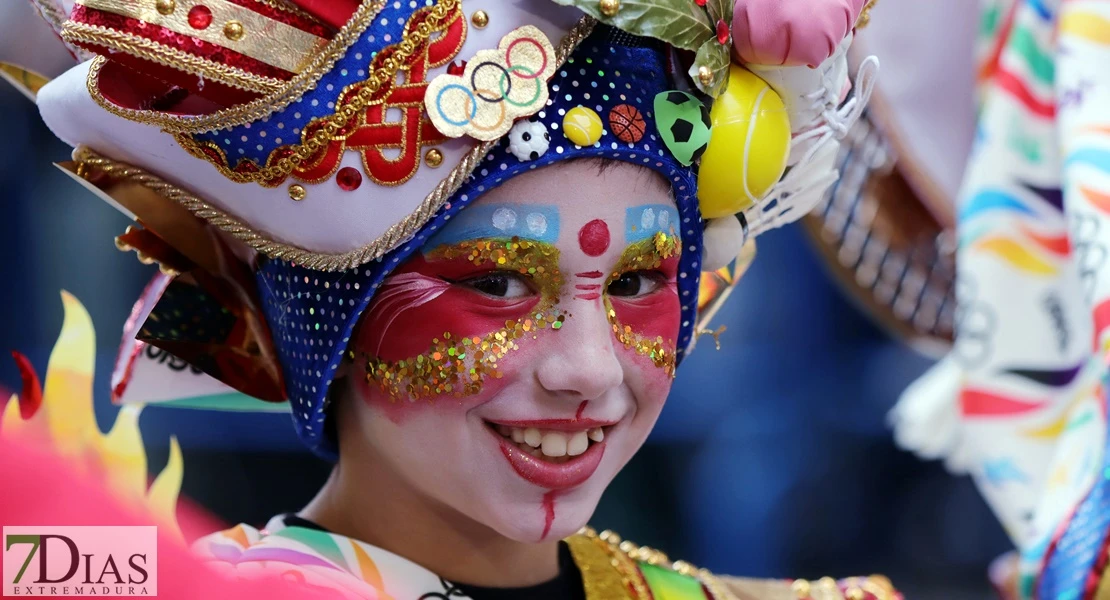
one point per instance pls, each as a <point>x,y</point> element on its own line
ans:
<point>582,126</point>
<point>749,146</point>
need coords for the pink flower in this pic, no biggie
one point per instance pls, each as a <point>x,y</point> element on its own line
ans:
<point>791,32</point>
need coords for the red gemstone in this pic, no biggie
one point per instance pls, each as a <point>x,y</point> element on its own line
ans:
<point>456,68</point>
<point>722,31</point>
<point>348,179</point>
<point>200,17</point>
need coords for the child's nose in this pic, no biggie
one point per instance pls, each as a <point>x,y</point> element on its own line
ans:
<point>582,363</point>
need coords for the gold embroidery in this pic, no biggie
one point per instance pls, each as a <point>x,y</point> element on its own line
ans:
<point>393,235</point>
<point>260,37</point>
<point>286,94</point>
<point>163,55</point>
<point>329,128</point>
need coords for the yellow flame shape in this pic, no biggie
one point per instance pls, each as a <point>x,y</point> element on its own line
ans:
<point>66,422</point>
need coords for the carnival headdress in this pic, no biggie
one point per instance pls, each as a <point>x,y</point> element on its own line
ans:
<point>281,157</point>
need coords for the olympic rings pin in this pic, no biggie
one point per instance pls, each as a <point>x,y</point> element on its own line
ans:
<point>496,88</point>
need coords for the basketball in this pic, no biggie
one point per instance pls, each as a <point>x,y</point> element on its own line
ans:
<point>748,148</point>
<point>626,122</point>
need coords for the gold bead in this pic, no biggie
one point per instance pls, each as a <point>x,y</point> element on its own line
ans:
<point>165,7</point>
<point>433,158</point>
<point>800,588</point>
<point>609,8</point>
<point>234,31</point>
<point>297,192</point>
<point>705,75</point>
<point>480,19</point>
<point>854,594</point>
<point>610,536</point>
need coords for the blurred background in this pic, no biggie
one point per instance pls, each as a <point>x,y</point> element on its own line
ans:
<point>772,458</point>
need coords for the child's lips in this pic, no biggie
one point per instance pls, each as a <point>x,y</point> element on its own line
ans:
<point>554,454</point>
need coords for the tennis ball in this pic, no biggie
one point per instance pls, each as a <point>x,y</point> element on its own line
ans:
<point>749,146</point>
<point>582,126</point>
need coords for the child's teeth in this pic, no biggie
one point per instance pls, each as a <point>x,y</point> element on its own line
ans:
<point>596,434</point>
<point>517,435</point>
<point>577,444</point>
<point>554,444</point>
<point>532,437</point>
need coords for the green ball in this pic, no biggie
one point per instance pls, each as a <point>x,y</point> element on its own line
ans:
<point>683,122</point>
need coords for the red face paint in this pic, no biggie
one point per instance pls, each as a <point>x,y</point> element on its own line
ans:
<point>593,238</point>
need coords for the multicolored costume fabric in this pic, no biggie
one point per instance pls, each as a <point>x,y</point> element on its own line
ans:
<point>337,566</point>
<point>1027,371</point>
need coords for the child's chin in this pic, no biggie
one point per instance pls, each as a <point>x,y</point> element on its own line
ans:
<point>532,523</point>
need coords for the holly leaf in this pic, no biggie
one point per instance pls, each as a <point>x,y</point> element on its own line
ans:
<point>716,57</point>
<point>721,9</point>
<point>680,23</point>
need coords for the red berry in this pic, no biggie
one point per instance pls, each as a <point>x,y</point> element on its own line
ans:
<point>722,31</point>
<point>700,2</point>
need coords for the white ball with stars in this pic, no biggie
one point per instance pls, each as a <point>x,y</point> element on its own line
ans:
<point>528,140</point>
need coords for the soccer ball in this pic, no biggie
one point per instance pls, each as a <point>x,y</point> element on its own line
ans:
<point>683,122</point>
<point>528,140</point>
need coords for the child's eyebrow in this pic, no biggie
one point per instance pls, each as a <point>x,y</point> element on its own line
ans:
<point>535,222</point>
<point>645,220</point>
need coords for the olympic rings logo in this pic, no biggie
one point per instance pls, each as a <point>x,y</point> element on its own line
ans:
<point>496,88</point>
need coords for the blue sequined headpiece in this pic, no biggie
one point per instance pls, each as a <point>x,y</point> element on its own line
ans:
<point>312,314</point>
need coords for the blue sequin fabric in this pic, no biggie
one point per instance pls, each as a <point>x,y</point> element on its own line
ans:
<point>312,314</point>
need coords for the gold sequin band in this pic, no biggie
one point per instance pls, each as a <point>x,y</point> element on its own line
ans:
<point>261,38</point>
<point>391,238</point>
<point>164,55</point>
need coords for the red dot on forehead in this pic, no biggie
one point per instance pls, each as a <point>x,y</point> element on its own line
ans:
<point>593,238</point>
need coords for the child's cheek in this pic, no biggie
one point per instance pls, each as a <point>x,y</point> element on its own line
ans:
<point>652,316</point>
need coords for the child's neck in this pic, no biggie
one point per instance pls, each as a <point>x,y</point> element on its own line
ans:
<point>375,506</point>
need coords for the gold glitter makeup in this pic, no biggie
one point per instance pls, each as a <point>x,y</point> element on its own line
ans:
<point>644,255</point>
<point>458,365</point>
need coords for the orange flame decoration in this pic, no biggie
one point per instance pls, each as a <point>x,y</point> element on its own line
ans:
<point>65,421</point>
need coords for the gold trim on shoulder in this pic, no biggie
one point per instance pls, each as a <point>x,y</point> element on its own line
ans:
<point>283,94</point>
<point>263,39</point>
<point>620,557</point>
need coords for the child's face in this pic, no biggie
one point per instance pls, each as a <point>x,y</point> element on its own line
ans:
<point>546,315</point>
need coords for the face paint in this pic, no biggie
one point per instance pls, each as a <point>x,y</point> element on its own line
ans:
<point>645,324</point>
<point>457,364</point>
<point>500,221</point>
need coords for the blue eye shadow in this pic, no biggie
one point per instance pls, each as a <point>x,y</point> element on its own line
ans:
<point>538,223</point>
<point>644,221</point>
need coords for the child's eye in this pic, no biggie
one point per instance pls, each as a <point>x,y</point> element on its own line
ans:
<point>500,285</point>
<point>635,283</point>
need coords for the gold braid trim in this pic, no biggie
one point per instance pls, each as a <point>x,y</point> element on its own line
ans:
<point>141,47</point>
<point>287,93</point>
